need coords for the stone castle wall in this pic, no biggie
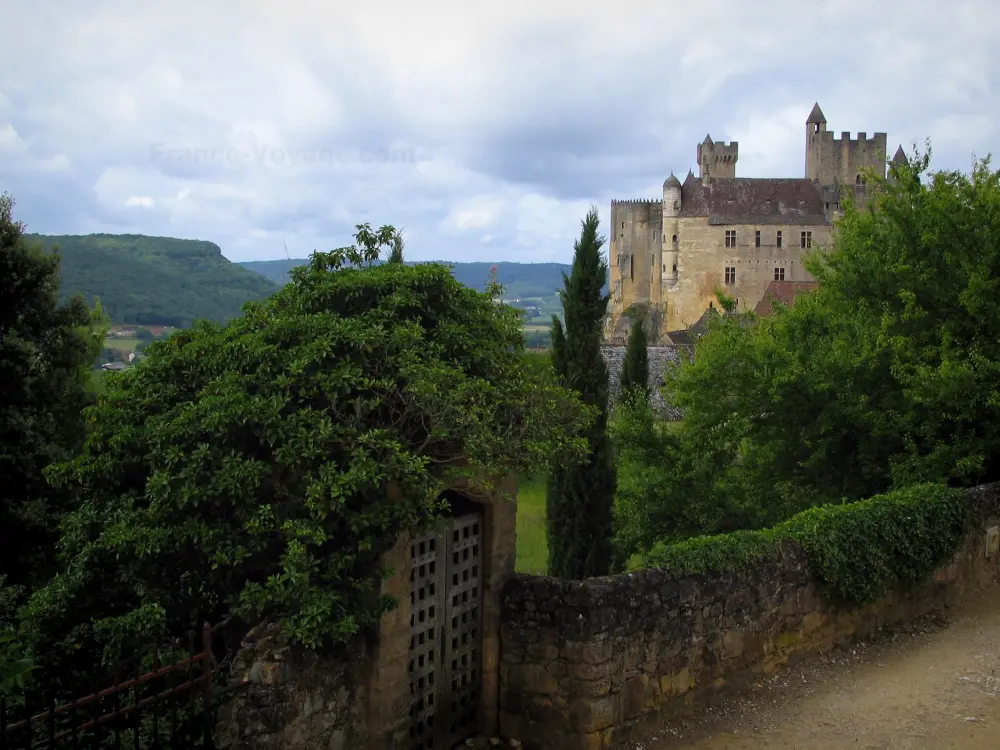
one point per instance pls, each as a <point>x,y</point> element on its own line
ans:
<point>589,664</point>
<point>295,698</point>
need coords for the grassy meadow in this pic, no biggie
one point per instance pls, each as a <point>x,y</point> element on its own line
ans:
<point>532,545</point>
<point>121,345</point>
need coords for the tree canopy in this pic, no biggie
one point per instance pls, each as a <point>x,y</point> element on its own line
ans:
<point>263,466</point>
<point>46,350</point>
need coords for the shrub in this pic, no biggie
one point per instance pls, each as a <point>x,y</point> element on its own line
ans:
<point>858,551</point>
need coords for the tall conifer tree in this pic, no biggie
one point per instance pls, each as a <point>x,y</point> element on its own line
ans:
<point>635,368</point>
<point>579,498</point>
<point>396,253</point>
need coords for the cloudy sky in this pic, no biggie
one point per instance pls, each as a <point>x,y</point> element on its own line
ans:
<point>483,129</point>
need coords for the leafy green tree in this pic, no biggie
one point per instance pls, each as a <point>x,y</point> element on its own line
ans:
<point>143,334</point>
<point>635,368</point>
<point>396,253</point>
<point>46,351</point>
<point>579,497</point>
<point>262,468</point>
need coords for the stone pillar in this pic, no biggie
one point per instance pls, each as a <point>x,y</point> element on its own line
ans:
<point>499,550</point>
<point>389,685</point>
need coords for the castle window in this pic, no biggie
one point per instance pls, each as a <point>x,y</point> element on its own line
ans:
<point>730,275</point>
<point>674,241</point>
<point>677,204</point>
<point>730,238</point>
<point>631,268</point>
<point>779,273</point>
<point>779,238</point>
<point>623,225</point>
<point>756,238</point>
<point>807,239</point>
<point>652,261</point>
<point>675,268</point>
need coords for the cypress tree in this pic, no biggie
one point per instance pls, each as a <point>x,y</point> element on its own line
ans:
<point>635,368</point>
<point>396,254</point>
<point>579,497</point>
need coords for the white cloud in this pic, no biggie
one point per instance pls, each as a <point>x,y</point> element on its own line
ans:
<point>518,115</point>
<point>478,213</point>
<point>139,201</point>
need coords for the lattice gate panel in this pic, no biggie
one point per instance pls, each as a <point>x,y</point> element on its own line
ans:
<point>425,640</point>
<point>445,656</point>
<point>463,637</point>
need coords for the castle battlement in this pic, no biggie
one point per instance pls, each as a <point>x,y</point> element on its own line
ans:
<point>846,137</point>
<point>615,202</point>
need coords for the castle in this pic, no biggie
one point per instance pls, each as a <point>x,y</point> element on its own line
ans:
<point>719,231</point>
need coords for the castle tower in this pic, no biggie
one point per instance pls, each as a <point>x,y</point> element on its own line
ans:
<point>815,124</point>
<point>672,205</point>
<point>717,159</point>
<point>840,161</point>
<point>898,158</point>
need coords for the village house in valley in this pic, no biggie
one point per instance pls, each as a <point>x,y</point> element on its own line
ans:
<point>719,231</point>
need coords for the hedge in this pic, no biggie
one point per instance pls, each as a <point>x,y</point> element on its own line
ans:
<point>858,551</point>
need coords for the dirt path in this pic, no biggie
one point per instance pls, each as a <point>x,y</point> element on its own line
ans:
<point>933,685</point>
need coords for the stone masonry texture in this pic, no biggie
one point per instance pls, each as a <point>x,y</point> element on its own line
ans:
<point>295,699</point>
<point>587,665</point>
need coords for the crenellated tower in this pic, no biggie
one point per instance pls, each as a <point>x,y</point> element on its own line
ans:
<point>840,161</point>
<point>717,159</point>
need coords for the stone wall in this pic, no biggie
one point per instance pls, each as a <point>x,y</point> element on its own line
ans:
<point>294,698</point>
<point>589,664</point>
<point>659,356</point>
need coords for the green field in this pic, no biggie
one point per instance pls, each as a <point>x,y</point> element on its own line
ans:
<point>121,345</point>
<point>532,544</point>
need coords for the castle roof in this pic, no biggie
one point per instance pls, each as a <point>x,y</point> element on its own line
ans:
<point>816,116</point>
<point>754,200</point>
<point>671,181</point>
<point>900,155</point>
<point>784,292</point>
<point>708,140</point>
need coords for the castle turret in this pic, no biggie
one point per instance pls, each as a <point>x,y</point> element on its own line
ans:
<point>671,196</point>
<point>898,158</point>
<point>672,205</point>
<point>815,124</point>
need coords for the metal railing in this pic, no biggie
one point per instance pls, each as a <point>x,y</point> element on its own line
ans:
<point>145,713</point>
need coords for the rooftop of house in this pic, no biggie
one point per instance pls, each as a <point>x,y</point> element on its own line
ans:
<point>783,292</point>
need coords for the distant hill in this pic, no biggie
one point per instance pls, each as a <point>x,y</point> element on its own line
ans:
<point>155,280</point>
<point>533,281</point>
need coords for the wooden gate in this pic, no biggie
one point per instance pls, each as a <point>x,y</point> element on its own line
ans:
<point>446,634</point>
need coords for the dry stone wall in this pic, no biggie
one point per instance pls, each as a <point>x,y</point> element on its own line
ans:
<point>659,357</point>
<point>589,664</point>
<point>295,699</point>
